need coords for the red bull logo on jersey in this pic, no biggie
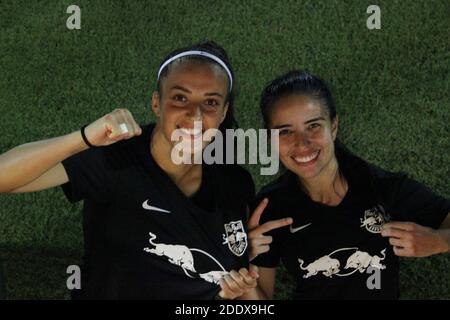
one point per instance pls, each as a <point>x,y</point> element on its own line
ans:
<point>330,266</point>
<point>179,255</point>
<point>361,260</point>
<point>182,256</point>
<point>373,219</point>
<point>235,237</point>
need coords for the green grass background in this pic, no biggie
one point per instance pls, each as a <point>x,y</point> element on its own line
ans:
<point>391,87</point>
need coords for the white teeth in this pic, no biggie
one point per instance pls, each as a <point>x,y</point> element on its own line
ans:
<point>191,132</point>
<point>306,159</point>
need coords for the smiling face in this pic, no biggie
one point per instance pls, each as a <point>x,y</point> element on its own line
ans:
<point>307,136</point>
<point>191,91</point>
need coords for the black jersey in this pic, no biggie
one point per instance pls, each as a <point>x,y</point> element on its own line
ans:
<point>336,252</point>
<point>144,239</point>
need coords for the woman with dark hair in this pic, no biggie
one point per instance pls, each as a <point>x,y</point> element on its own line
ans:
<point>351,219</point>
<point>153,229</point>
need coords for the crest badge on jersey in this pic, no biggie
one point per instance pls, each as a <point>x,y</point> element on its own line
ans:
<point>236,237</point>
<point>374,219</point>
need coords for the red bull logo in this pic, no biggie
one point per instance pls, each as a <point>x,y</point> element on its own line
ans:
<point>235,237</point>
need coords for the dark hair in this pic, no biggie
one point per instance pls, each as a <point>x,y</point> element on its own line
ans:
<point>211,47</point>
<point>300,82</point>
<point>296,82</point>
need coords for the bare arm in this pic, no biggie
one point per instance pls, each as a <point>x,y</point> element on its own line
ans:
<point>446,223</point>
<point>444,232</point>
<point>37,165</point>
<point>54,177</point>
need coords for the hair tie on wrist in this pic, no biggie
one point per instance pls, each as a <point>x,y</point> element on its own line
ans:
<point>83,135</point>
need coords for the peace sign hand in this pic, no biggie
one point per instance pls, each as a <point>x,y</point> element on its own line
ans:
<point>259,243</point>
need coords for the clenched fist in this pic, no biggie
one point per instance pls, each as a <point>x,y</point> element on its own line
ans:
<point>236,283</point>
<point>113,127</point>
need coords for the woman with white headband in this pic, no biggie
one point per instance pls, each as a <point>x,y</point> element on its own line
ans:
<point>153,229</point>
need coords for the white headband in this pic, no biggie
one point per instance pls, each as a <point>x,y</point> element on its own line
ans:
<point>198,53</point>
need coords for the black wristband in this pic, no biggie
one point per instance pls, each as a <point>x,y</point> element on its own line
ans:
<point>83,135</point>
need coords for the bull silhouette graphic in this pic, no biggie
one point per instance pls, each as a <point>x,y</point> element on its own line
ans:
<point>361,260</point>
<point>213,276</point>
<point>181,256</point>
<point>327,265</point>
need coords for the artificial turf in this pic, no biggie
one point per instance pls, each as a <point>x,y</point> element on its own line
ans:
<point>391,86</point>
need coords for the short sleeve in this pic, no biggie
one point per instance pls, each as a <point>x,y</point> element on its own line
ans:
<point>88,176</point>
<point>241,185</point>
<point>412,201</point>
<point>248,189</point>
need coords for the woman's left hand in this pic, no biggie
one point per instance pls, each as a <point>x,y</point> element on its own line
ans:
<point>236,283</point>
<point>412,240</point>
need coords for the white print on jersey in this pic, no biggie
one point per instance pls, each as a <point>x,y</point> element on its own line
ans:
<point>294,230</point>
<point>327,265</point>
<point>146,206</point>
<point>359,261</point>
<point>178,254</point>
<point>235,237</point>
<point>181,256</point>
<point>374,219</point>
<point>213,276</point>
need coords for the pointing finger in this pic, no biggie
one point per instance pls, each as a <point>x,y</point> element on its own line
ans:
<point>253,222</point>
<point>274,224</point>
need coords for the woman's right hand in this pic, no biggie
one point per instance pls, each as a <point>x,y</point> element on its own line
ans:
<point>113,127</point>
<point>259,243</point>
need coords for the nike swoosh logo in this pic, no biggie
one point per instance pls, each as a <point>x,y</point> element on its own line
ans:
<point>146,206</point>
<point>294,230</point>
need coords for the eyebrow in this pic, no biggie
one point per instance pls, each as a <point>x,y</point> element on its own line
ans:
<point>314,119</point>
<point>281,126</point>
<point>180,88</point>
<point>209,94</point>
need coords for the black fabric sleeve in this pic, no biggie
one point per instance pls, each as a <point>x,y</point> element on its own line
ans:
<point>412,201</point>
<point>88,176</point>
<point>248,191</point>
<point>243,187</point>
